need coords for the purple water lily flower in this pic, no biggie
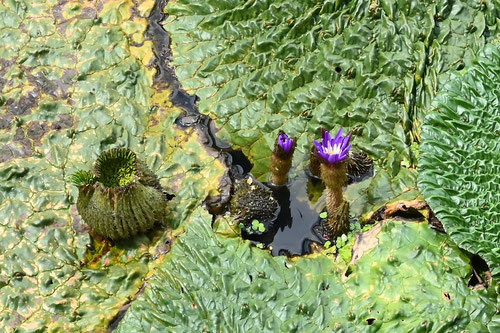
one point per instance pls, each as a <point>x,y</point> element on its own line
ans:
<point>333,150</point>
<point>285,142</point>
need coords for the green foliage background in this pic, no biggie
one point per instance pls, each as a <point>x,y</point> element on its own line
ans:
<point>220,283</point>
<point>370,67</point>
<point>76,78</point>
<point>460,163</point>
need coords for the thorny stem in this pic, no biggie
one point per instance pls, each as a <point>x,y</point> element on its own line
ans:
<point>314,162</point>
<point>335,178</point>
<point>281,159</point>
<point>280,166</point>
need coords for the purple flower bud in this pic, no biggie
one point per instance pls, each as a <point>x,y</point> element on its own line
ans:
<point>285,142</point>
<point>333,150</point>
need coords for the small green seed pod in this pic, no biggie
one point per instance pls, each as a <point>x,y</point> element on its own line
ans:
<point>122,197</point>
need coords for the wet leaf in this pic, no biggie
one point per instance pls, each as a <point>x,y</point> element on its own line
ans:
<point>77,78</point>
<point>227,284</point>
<point>460,158</point>
<point>72,85</point>
<point>260,67</point>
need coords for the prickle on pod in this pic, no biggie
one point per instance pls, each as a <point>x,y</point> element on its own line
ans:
<point>121,196</point>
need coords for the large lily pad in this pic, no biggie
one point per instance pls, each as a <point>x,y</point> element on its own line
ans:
<point>370,67</point>
<point>460,162</point>
<point>76,79</point>
<point>213,282</point>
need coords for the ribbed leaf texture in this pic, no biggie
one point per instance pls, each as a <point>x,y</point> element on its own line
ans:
<point>415,279</point>
<point>76,79</point>
<point>459,167</point>
<point>299,65</point>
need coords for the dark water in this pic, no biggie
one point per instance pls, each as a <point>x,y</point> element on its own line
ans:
<point>295,222</point>
<point>179,97</point>
<point>292,231</point>
<point>298,224</point>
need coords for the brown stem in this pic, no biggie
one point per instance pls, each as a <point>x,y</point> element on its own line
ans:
<point>337,222</point>
<point>280,166</point>
<point>335,178</point>
<point>333,200</point>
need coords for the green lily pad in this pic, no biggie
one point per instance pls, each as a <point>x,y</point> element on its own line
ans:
<point>460,158</point>
<point>370,67</point>
<point>226,284</point>
<point>76,78</point>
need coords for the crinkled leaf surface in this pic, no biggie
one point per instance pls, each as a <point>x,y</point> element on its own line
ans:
<point>75,80</point>
<point>370,67</point>
<point>414,280</point>
<point>459,168</point>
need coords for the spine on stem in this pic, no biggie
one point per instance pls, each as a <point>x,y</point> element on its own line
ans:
<point>333,152</point>
<point>335,178</point>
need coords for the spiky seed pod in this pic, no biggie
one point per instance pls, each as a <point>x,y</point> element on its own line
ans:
<point>281,158</point>
<point>358,164</point>
<point>122,197</point>
<point>82,178</point>
<point>252,200</point>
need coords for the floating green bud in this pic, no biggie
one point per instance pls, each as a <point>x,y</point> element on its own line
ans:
<point>121,197</point>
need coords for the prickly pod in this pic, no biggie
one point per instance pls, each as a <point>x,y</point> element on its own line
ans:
<point>121,196</point>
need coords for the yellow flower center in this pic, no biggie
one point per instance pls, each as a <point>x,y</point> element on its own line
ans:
<point>335,150</point>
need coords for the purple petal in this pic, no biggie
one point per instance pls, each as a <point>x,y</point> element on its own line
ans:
<point>326,137</point>
<point>342,157</point>
<point>337,141</point>
<point>345,141</point>
<point>287,147</point>
<point>339,135</point>
<point>318,145</point>
<point>328,141</point>
<point>323,155</point>
<point>282,138</point>
<point>347,148</point>
<point>285,142</point>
